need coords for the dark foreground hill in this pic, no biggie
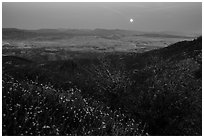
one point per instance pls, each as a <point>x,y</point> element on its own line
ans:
<point>154,93</point>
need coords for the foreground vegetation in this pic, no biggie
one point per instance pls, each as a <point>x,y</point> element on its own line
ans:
<point>154,93</point>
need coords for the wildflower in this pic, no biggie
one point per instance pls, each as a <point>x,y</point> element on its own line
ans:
<point>46,126</point>
<point>18,105</point>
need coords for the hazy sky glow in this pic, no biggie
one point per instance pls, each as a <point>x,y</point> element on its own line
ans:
<point>179,17</point>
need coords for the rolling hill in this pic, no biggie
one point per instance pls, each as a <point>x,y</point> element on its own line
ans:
<point>158,92</point>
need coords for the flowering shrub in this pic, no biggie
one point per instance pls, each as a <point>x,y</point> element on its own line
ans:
<point>30,108</point>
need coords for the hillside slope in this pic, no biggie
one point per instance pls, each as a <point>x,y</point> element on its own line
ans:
<point>162,87</point>
<point>153,93</point>
<point>175,88</point>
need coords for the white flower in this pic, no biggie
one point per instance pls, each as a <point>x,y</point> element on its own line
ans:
<point>46,126</point>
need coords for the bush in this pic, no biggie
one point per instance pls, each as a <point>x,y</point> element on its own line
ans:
<point>31,108</point>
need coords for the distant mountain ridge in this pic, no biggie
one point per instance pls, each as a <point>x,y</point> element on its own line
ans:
<point>14,33</point>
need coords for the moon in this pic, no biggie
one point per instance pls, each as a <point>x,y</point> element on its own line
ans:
<point>131,20</point>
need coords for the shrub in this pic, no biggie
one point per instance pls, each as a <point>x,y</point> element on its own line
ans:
<point>31,108</point>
